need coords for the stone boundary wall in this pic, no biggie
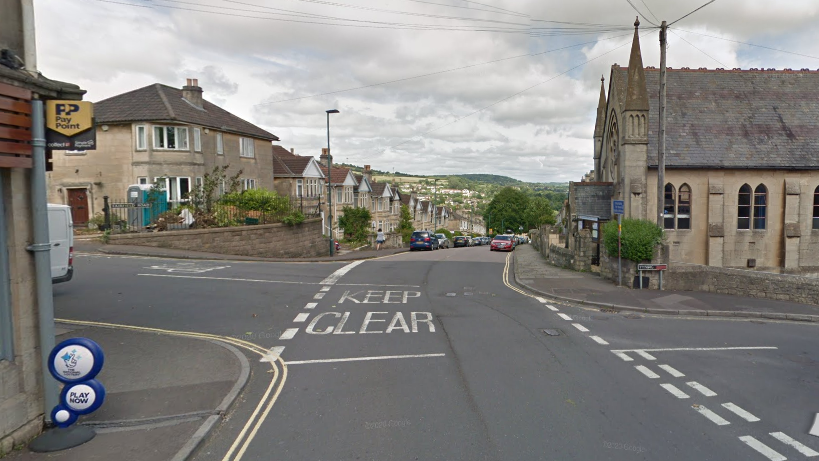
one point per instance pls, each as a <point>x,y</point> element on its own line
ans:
<point>304,240</point>
<point>561,257</point>
<point>391,240</point>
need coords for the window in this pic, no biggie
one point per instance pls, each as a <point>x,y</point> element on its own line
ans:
<point>373,224</point>
<point>197,140</point>
<point>140,137</point>
<point>760,206</point>
<point>669,207</point>
<point>744,208</point>
<point>142,180</point>
<point>198,182</point>
<point>171,137</point>
<point>379,204</point>
<point>178,188</point>
<point>348,194</point>
<point>816,208</point>
<point>684,208</point>
<point>220,145</point>
<point>248,184</point>
<point>339,194</point>
<point>299,188</point>
<point>246,148</point>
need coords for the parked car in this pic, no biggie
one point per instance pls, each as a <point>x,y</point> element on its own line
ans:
<point>443,242</point>
<point>423,240</point>
<point>61,238</point>
<point>502,243</point>
<point>476,242</point>
<point>460,241</point>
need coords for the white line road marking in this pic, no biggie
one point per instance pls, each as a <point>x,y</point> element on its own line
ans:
<point>623,356</point>
<point>289,333</point>
<point>362,359</point>
<point>799,447</point>
<point>272,354</point>
<point>233,279</point>
<point>814,430</point>
<point>675,349</point>
<point>552,308</point>
<point>301,317</point>
<point>580,327</point>
<point>704,390</point>
<point>674,391</point>
<point>645,355</point>
<point>740,412</point>
<point>762,448</point>
<point>333,278</point>
<point>541,299</point>
<point>715,418</point>
<point>311,305</point>
<point>599,340</point>
<point>672,371</point>
<point>318,296</point>
<point>646,371</point>
<point>325,288</point>
<point>564,316</point>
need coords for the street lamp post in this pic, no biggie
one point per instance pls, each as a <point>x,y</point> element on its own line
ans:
<point>330,182</point>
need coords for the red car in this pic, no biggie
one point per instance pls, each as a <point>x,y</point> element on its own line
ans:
<point>502,243</point>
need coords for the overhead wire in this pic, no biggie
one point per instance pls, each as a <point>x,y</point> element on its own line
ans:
<point>689,14</point>
<point>651,12</point>
<point>437,72</point>
<point>641,14</point>
<point>698,49</point>
<point>749,44</point>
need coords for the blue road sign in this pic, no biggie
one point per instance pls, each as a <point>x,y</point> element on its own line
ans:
<point>619,206</point>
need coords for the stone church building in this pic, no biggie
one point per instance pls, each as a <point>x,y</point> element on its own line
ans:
<point>742,161</point>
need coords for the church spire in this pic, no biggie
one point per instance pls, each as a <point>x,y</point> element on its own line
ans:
<point>601,109</point>
<point>636,95</point>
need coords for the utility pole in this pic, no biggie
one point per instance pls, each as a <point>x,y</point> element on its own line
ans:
<point>435,205</point>
<point>661,150</point>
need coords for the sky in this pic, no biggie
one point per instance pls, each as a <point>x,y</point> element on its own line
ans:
<point>506,87</point>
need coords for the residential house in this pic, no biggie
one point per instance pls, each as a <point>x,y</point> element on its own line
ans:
<point>159,134</point>
<point>741,182</point>
<point>383,207</point>
<point>342,187</point>
<point>299,177</point>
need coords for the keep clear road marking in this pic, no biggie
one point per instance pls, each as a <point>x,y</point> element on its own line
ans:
<point>333,278</point>
<point>564,316</point>
<point>762,448</point>
<point>311,305</point>
<point>674,391</point>
<point>740,412</point>
<point>599,340</point>
<point>273,354</point>
<point>704,390</point>
<point>289,333</point>
<point>646,371</point>
<point>799,447</point>
<point>673,372</point>
<point>715,418</point>
<point>580,327</point>
<point>301,317</point>
<point>362,359</point>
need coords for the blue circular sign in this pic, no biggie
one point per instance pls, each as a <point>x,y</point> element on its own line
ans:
<point>62,416</point>
<point>75,360</point>
<point>83,398</point>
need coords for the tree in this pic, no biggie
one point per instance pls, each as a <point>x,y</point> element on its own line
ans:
<point>508,207</point>
<point>202,196</point>
<point>637,240</point>
<point>405,224</point>
<point>539,212</point>
<point>445,232</point>
<point>355,222</point>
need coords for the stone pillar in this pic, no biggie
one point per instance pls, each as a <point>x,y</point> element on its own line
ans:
<point>716,223</point>
<point>792,233</point>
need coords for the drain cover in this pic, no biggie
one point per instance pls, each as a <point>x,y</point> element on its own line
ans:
<point>450,294</point>
<point>550,331</point>
<point>633,316</point>
<point>467,293</point>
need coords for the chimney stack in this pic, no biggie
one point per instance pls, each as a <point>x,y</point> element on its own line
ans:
<point>193,93</point>
<point>293,150</point>
<point>368,173</point>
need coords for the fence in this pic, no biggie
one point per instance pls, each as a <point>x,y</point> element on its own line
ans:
<point>125,216</point>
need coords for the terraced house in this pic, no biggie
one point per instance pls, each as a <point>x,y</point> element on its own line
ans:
<point>160,134</point>
<point>299,177</point>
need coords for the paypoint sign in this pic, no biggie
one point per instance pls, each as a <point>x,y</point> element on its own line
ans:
<point>70,125</point>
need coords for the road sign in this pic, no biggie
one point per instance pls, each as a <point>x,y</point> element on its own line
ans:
<point>619,206</point>
<point>652,267</point>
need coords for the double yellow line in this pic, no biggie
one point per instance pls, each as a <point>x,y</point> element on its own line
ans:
<point>254,422</point>
<point>506,278</point>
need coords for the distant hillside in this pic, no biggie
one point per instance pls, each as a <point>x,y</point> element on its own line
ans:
<point>491,179</point>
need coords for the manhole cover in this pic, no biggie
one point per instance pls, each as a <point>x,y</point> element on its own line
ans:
<point>633,316</point>
<point>550,331</point>
<point>609,311</point>
<point>451,294</point>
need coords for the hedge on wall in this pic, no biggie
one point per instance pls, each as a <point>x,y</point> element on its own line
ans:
<point>639,237</point>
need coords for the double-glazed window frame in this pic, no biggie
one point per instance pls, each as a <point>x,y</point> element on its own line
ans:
<point>162,138</point>
<point>677,207</point>
<point>815,225</point>
<point>247,148</point>
<point>752,207</point>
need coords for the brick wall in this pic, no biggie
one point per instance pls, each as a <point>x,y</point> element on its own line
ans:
<point>266,240</point>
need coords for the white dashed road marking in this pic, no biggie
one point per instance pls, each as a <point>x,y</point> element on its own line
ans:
<point>704,390</point>
<point>311,305</point>
<point>289,333</point>
<point>552,308</point>
<point>599,340</point>
<point>360,359</point>
<point>672,371</point>
<point>541,299</point>
<point>318,296</point>
<point>674,391</point>
<point>762,448</point>
<point>646,371</point>
<point>740,412</point>
<point>623,356</point>
<point>715,418</point>
<point>333,278</point>
<point>798,446</point>
<point>325,288</point>
<point>301,317</point>
<point>564,316</point>
<point>580,327</point>
<point>272,354</point>
<point>645,355</point>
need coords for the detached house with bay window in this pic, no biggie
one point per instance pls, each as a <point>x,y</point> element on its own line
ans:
<point>159,134</point>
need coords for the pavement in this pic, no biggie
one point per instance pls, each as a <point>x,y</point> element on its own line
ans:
<point>535,273</point>
<point>164,394</point>
<point>95,246</point>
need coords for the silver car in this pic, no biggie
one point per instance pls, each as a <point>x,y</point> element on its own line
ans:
<point>443,242</point>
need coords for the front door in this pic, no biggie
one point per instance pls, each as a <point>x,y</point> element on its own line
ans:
<point>78,201</point>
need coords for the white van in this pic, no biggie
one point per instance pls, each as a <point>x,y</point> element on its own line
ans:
<point>61,237</point>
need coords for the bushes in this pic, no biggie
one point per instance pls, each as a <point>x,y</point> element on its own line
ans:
<point>445,232</point>
<point>355,222</point>
<point>266,201</point>
<point>638,239</point>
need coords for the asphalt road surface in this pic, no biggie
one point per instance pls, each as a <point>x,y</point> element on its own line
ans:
<point>439,356</point>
